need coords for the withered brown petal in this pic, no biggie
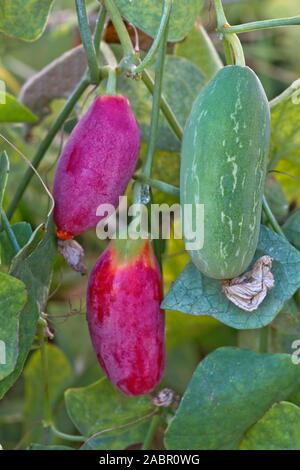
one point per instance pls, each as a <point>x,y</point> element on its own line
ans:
<point>249,290</point>
<point>73,253</point>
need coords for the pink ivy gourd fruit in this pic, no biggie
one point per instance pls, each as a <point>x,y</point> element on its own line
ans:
<point>96,164</point>
<point>125,320</point>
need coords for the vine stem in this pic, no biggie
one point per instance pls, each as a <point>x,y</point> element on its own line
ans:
<point>237,49</point>
<point>257,25</point>
<point>165,107</point>
<point>66,437</point>
<point>87,41</point>
<point>264,340</point>
<point>155,422</point>
<point>160,185</point>
<point>129,52</point>
<point>119,26</point>
<point>111,87</point>
<point>159,37</point>
<point>157,91</point>
<point>10,232</point>
<point>45,371</point>
<point>143,189</point>
<point>232,45</point>
<point>99,29</point>
<point>47,411</point>
<point>271,218</point>
<point>221,18</point>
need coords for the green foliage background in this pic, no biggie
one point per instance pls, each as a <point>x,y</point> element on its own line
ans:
<point>72,363</point>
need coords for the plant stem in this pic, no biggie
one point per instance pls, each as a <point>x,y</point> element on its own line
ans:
<point>256,25</point>
<point>155,422</point>
<point>87,41</point>
<point>99,29</point>
<point>119,26</point>
<point>271,218</point>
<point>10,232</point>
<point>157,91</point>
<point>231,41</point>
<point>129,51</point>
<point>45,144</point>
<point>66,437</point>
<point>264,340</point>
<point>165,107</point>
<point>228,52</point>
<point>160,185</point>
<point>237,49</point>
<point>111,87</point>
<point>45,370</point>
<point>221,18</point>
<point>159,37</point>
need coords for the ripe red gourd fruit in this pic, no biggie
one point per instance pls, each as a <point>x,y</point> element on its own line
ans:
<point>96,164</point>
<point>125,320</point>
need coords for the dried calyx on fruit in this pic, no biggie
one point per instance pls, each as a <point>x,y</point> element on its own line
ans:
<point>96,164</point>
<point>125,320</point>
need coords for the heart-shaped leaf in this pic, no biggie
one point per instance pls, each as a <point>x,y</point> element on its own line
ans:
<point>100,406</point>
<point>11,110</point>
<point>33,265</point>
<point>199,49</point>
<point>106,417</point>
<point>117,439</point>
<point>276,198</point>
<point>59,377</point>
<point>180,94</point>
<point>230,391</point>
<point>285,138</point>
<point>146,14</point>
<point>278,429</point>
<point>12,299</point>
<point>24,19</point>
<point>196,294</point>
<point>23,232</point>
<point>291,229</point>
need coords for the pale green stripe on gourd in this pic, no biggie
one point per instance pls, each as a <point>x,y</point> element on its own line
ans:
<point>223,166</point>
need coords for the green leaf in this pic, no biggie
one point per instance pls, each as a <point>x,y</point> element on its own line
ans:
<point>291,229</point>
<point>23,232</point>
<point>24,19</point>
<point>196,294</point>
<point>276,198</point>
<point>100,406</point>
<point>12,299</point>
<point>50,447</point>
<point>278,429</point>
<point>285,328</point>
<point>199,49</point>
<point>146,14</point>
<point>285,138</point>
<point>33,266</point>
<point>11,110</point>
<point>180,94</point>
<point>118,439</point>
<point>230,391</point>
<point>59,377</point>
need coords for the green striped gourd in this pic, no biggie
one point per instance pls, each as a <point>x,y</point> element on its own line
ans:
<point>223,166</point>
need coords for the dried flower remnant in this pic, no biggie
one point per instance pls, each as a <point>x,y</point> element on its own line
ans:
<point>249,290</point>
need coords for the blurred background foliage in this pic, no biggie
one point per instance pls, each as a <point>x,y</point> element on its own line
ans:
<point>273,54</point>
